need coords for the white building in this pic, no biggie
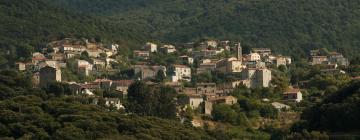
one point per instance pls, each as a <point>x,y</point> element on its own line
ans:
<point>151,47</point>
<point>211,43</point>
<point>113,47</point>
<point>114,102</point>
<point>181,72</point>
<point>168,48</point>
<point>194,100</point>
<point>229,65</point>
<point>186,59</point>
<point>292,95</point>
<point>253,57</point>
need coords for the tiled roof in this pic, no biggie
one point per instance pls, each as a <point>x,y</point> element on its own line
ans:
<point>291,91</point>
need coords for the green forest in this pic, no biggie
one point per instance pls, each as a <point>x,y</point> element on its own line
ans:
<point>291,27</point>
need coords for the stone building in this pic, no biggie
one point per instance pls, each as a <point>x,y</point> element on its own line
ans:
<point>181,73</point>
<point>292,95</point>
<point>48,75</point>
<point>150,47</point>
<point>257,77</point>
<point>229,65</point>
<point>145,71</point>
<point>205,88</point>
<point>261,51</point>
<point>316,60</point>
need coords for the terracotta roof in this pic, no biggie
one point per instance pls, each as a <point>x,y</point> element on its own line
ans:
<point>356,78</point>
<point>193,95</point>
<point>334,53</point>
<point>182,66</point>
<point>38,58</point>
<point>123,82</point>
<point>211,99</point>
<point>291,91</point>
<point>317,56</point>
<point>199,84</point>
<point>89,86</point>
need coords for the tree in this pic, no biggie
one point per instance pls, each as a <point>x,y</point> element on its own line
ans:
<point>151,101</point>
<point>140,99</point>
<point>225,113</point>
<point>166,107</point>
<point>160,76</point>
<point>85,56</point>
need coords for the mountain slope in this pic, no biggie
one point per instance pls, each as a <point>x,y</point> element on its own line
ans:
<point>26,25</point>
<point>338,112</point>
<point>286,26</point>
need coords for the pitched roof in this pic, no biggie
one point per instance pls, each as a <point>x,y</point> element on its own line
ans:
<point>123,82</point>
<point>291,91</point>
<point>181,66</point>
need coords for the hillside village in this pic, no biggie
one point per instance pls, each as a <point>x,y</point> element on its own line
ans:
<point>252,69</point>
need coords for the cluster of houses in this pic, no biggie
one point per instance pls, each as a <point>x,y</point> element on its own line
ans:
<point>329,61</point>
<point>48,63</point>
<point>252,69</point>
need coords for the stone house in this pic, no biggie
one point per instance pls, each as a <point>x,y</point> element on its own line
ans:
<point>257,77</point>
<point>66,48</point>
<point>229,65</point>
<point>255,64</point>
<point>84,67</point>
<point>187,60</point>
<point>20,66</point>
<point>280,61</point>
<point>338,58</point>
<point>142,54</point>
<point>150,47</point>
<point>205,88</point>
<point>207,53</point>
<point>48,75</point>
<point>237,83</point>
<point>168,49</point>
<point>145,71</point>
<point>122,86</point>
<point>261,51</point>
<point>316,60</point>
<point>82,89</point>
<point>57,56</point>
<point>99,64</point>
<point>211,43</point>
<point>253,57</point>
<point>229,100</point>
<point>114,102</point>
<point>181,73</point>
<point>94,53</point>
<point>193,100</point>
<point>113,47</point>
<point>294,95</point>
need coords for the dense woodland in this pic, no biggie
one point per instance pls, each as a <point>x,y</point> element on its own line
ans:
<point>288,27</point>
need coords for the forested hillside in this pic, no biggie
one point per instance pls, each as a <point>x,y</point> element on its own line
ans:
<point>286,26</point>
<point>28,113</point>
<point>338,112</point>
